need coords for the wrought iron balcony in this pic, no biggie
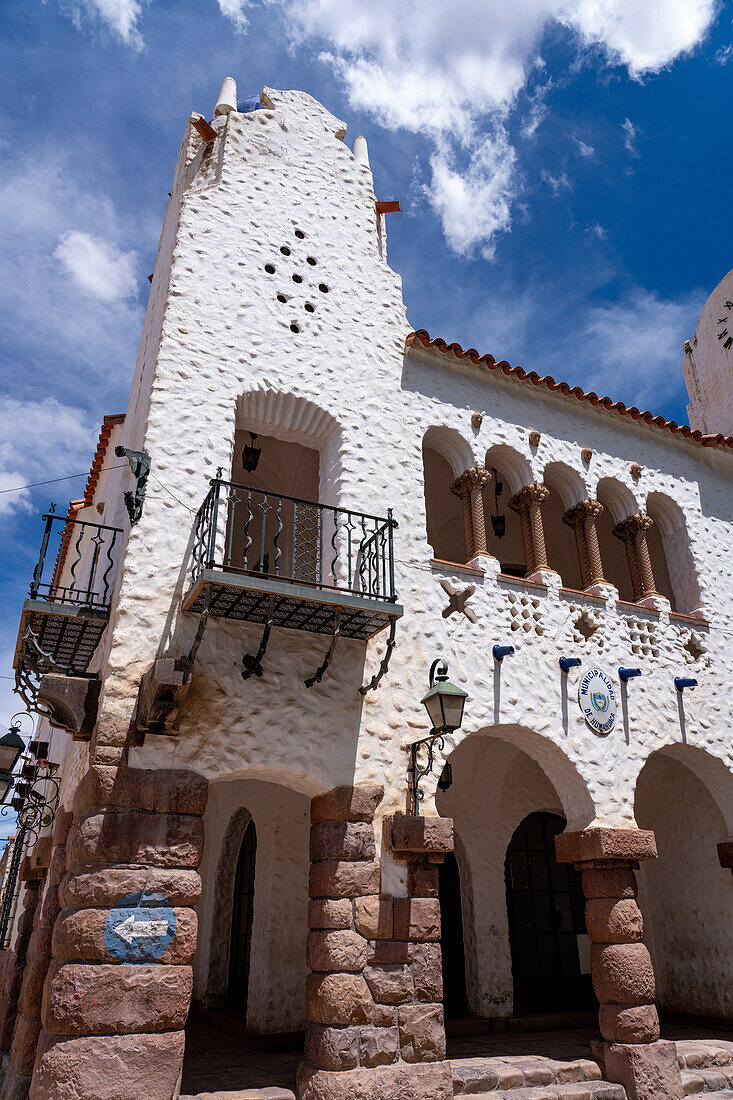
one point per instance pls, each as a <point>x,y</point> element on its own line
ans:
<point>270,558</point>
<point>64,618</point>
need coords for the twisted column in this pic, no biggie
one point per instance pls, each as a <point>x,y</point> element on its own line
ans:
<point>632,532</point>
<point>582,518</point>
<point>469,487</point>
<point>528,504</point>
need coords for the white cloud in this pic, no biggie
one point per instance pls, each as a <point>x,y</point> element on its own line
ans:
<point>120,15</point>
<point>630,135</point>
<point>475,205</point>
<point>99,268</point>
<point>724,55</point>
<point>556,183</point>
<point>632,348</point>
<point>41,439</point>
<point>234,10</point>
<point>584,149</point>
<point>452,72</point>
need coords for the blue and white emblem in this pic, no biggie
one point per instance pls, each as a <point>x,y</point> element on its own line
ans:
<point>139,928</point>
<point>597,701</point>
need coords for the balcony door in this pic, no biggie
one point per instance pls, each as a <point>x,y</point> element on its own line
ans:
<point>242,916</point>
<point>266,533</point>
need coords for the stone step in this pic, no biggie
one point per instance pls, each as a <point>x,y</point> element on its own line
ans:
<point>704,1053</point>
<point>573,1090</point>
<point>472,1076</point>
<point>268,1093</point>
<point>721,1094</point>
<point>704,1080</point>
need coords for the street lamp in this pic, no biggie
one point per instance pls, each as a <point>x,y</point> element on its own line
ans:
<point>11,746</point>
<point>444,703</point>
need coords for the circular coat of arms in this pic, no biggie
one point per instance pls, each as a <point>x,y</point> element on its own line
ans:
<point>597,700</point>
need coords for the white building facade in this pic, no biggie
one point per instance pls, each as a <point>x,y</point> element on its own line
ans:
<point>409,501</point>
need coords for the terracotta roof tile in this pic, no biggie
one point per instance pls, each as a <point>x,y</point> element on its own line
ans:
<point>424,338</point>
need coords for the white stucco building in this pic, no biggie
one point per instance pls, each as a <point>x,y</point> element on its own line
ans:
<point>409,500</point>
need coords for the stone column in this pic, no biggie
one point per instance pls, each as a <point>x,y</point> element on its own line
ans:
<point>632,532</point>
<point>582,518</point>
<point>528,503</point>
<point>621,967</point>
<point>49,853</point>
<point>469,487</point>
<point>374,1019</point>
<point>115,1007</point>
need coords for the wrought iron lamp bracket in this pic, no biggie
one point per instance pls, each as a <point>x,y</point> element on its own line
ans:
<point>417,771</point>
<point>140,467</point>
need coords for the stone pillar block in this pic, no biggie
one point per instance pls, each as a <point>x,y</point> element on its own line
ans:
<point>108,1067</point>
<point>648,1071</point>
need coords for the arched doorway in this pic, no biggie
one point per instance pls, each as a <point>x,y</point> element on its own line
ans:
<point>242,916</point>
<point>451,939</point>
<point>546,910</point>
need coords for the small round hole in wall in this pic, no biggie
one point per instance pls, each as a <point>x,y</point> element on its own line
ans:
<point>323,288</point>
<point>270,269</point>
<point>282,298</point>
<point>310,308</point>
<point>294,327</point>
<point>300,234</point>
<point>285,250</point>
<point>297,278</point>
<point>312,261</point>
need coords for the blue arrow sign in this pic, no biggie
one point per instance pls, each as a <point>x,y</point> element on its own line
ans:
<point>139,928</point>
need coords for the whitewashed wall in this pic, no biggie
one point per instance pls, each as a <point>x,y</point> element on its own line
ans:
<point>343,384</point>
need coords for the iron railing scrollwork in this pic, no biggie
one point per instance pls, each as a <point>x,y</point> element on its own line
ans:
<point>288,539</point>
<point>83,568</point>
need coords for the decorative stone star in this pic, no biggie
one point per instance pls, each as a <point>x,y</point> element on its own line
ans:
<point>457,598</point>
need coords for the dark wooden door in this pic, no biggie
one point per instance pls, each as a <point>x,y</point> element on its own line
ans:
<point>242,914</point>
<point>546,916</point>
<point>451,939</point>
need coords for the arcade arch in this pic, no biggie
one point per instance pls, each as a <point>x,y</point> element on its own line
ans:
<point>686,797</point>
<point>672,560</point>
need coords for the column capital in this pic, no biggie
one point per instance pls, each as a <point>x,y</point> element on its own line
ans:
<point>585,509</point>
<point>475,477</point>
<point>534,493</point>
<point>605,843</point>
<point>632,526</point>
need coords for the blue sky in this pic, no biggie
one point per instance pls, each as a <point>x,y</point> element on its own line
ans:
<point>564,168</point>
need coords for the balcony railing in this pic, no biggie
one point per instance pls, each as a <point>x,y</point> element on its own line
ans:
<point>82,570</point>
<point>298,550</point>
<point>66,615</point>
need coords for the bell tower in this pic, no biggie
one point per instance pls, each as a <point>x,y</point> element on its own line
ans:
<point>708,364</point>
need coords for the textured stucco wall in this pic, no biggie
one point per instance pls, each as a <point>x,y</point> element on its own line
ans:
<point>685,895</point>
<point>280,925</point>
<point>219,354</point>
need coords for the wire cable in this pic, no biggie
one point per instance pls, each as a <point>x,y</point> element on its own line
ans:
<point>53,480</point>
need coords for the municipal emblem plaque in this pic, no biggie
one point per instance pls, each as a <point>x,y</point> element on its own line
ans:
<point>597,700</point>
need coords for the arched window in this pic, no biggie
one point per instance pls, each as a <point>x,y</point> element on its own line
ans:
<point>443,509</point>
<point>673,565</point>
<point>510,472</point>
<point>242,915</point>
<point>618,503</point>
<point>566,489</point>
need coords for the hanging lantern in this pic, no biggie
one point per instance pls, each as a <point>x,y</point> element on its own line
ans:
<point>251,453</point>
<point>11,746</point>
<point>498,520</point>
<point>445,782</point>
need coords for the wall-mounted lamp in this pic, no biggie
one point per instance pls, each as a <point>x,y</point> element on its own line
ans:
<point>566,663</point>
<point>251,453</point>
<point>502,651</point>
<point>626,674</point>
<point>682,682</point>
<point>498,520</point>
<point>444,703</point>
